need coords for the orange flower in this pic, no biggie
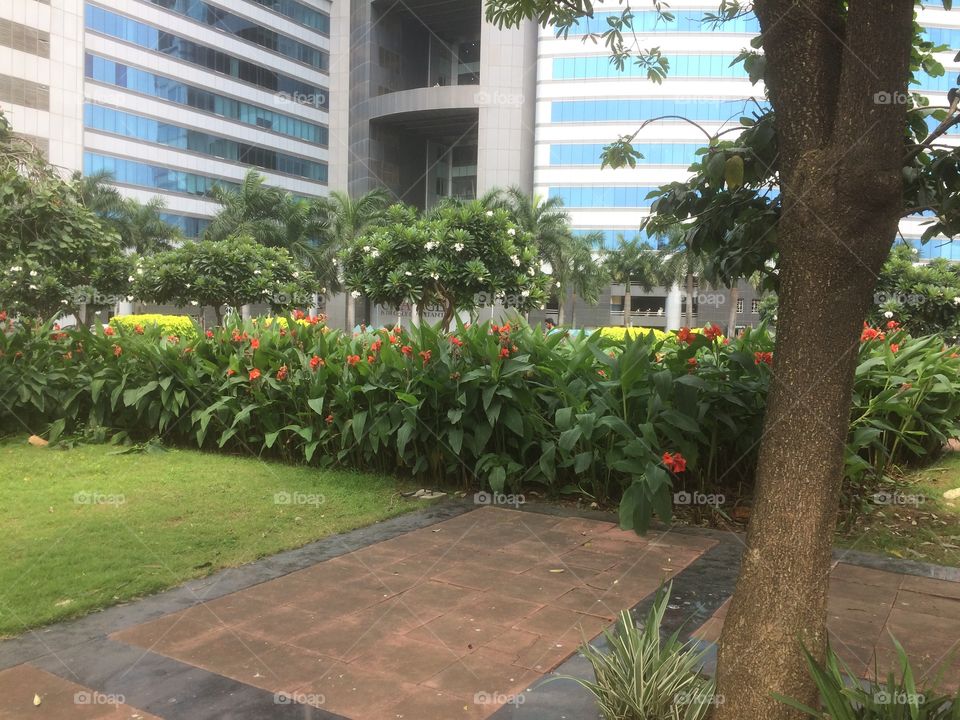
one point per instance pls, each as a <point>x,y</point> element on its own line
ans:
<point>254,374</point>
<point>894,347</point>
<point>282,373</point>
<point>329,419</point>
<point>712,332</point>
<point>210,334</point>
<point>426,355</point>
<point>316,361</point>
<point>504,353</point>
<point>353,359</point>
<point>138,329</point>
<point>231,372</point>
<point>674,462</point>
<point>117,351</point>
<point>407,350</point>
<point>255,344</point>
<point>684,335</point>
<point>108,331</point>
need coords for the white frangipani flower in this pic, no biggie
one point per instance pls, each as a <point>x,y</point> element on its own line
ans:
<point>531,272</point>
<point>33,273</point>
<point>489,213</point>
<point>194,303</point>
<point>525,293</point>
<point>256,272</point>
<point>511,232</point>
<point>956,301</point>
<point>515,260</point>
<point>33,287</point>
<point>374,253</point>
<point>355,294</point>
<point>430,245</point>
<point>130,279</point>
<point>888,314</point>
<point>408,273</point>
<point>458,247</point>
<point>547,269</point>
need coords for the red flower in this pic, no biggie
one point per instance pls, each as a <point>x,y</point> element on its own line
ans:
<point>375,346</point>
<point>870,333</point>
<point>299,314</point>
<point>371,358</point>
<point>210,334</point>
<point>674,462</point>
<point>692,362</point>
<point>108,331</point>
<point>426,355</point>
<point>407,350</point>
<point>495,328</point>
<point>456,341</point>
<point>117,351</point>
<point>504,353</point>
<point>894,347</point>
<point>255,344</point>
<point>138,329</point>
<point>712,332</point>
<point>393,339</point>
<point>763,357</point>
<point>601,373</point>
<point>173,339</point>
<point>329,419</point>
<point>282,373</point>
<point>3,316</point>
<point>231,372</point>
<point>236,336</point>
<point>353,359</point>
<point>254,374</point>
<point>892,325</point>
<point>316,361</point>
<point>684,335</point>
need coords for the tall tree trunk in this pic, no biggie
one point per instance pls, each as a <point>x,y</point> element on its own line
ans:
<point>350,320</point>
<point>627,305</point>
<point>841,158</point>
<point>573,311</point>
<point>689,313</point>
<point>560,313</point>
<point>733,297</point>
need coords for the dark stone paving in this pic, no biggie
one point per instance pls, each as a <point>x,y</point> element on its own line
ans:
<point>437,614</point>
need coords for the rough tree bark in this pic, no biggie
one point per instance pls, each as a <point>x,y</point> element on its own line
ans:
<point>689,312</point>
<point>840,163</point>
<point>627,305</point>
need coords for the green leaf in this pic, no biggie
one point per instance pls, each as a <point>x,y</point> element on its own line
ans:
<point>358,422</point>
<point>733,172</point>
<point>316,404</point>
<point>498,479</point>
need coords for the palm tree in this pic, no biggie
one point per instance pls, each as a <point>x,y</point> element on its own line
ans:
<point>570,257</point>
<point>346,219</point>
<point>97,194</point>
<point>633,262</point>
<point>142,229</point>
<point>252,209</point>
<point>679,262</point>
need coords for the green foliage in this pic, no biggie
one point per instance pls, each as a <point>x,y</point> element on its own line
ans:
<point>844,696</point>
<point>502,407</point>
<point>53,251</point>
<point>231,272</point>
<point>921,298</point>
<point>459,257</point>
<point>643,677</point>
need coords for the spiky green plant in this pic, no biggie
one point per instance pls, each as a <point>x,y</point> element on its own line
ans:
<point>644,677</point>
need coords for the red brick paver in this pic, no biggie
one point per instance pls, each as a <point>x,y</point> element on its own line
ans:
<point>59,699</point>
<point>449,621</point>
<point>866,606</point>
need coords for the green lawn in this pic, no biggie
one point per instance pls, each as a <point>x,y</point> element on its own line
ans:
<point>85,528</point>
<point>928,531</point>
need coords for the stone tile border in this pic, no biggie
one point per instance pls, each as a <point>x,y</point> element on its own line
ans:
<point>698,591</point>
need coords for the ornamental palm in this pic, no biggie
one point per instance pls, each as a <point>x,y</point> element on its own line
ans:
<point>633,262</point>
<point>345,219</point>
<point>142,229</point>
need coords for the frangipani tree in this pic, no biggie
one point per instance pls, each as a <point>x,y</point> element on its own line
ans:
<point>461,257</point>
<point>214,273</point>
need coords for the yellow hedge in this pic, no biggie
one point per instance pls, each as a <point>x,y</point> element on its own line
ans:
<point>618,332</point>
<point>180,325</point>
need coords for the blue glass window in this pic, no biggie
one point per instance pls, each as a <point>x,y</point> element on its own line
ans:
<point>684,21</point>
<point>298,12</point>
<point>191,227</point>
<point>151,38</point>
<point>245,29</point>
<point>718,110</point>
<point>653,153</point>
<point>164,88</point>
<point>712,66</point>
<point>129,172</point>
<point>603,196</point>
<point>106,119</point>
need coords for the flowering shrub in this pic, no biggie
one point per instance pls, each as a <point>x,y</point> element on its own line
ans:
<point>618,332</point>
<point>500,406</point>
<point>180,325</point>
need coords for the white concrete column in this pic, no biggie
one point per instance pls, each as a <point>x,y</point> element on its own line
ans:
<point>674,307</point>
<point>124,308</point>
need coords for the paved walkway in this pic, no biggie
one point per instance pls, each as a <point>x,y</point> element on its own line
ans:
<point>461,618</point>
